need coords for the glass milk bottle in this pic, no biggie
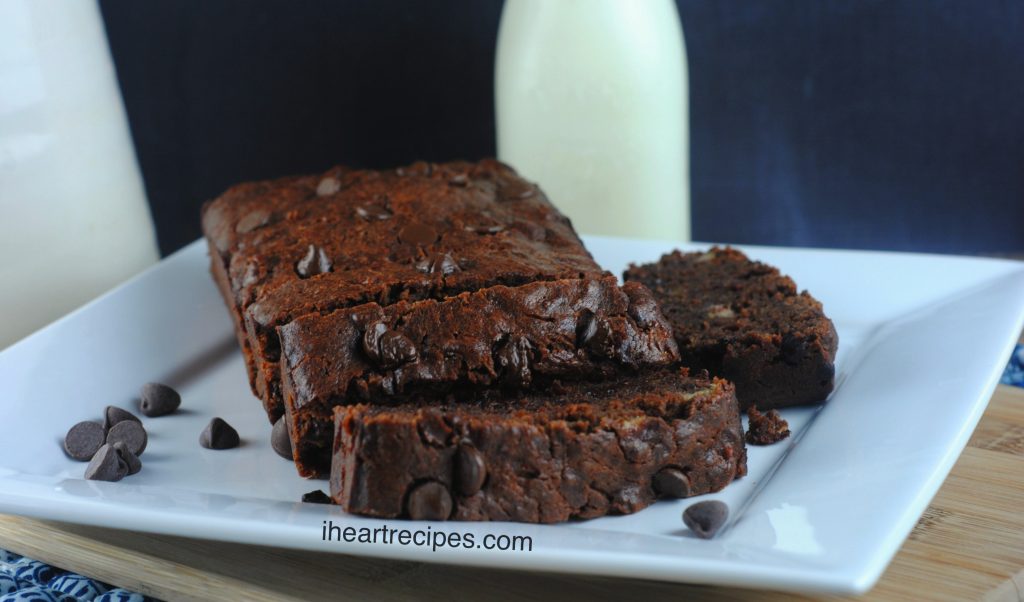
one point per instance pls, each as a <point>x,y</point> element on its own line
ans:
<point>73,214</point>
<point>592,104</point>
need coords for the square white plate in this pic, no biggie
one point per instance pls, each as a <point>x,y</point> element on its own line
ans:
<point>923,340</point>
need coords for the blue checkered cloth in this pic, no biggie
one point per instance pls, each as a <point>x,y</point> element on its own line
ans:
<point>26,580</point>
<point>1014,373</point>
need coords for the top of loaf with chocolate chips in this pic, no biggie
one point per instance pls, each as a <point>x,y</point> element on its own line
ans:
<point>313,244</point>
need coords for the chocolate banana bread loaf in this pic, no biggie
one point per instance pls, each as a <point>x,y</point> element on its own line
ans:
<point>297,246</point>
<point>514,338</point>
<point>577,451</point>
<point>744,321</point>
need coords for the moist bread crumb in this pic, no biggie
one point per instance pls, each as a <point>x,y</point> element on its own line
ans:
<point>766,428</point>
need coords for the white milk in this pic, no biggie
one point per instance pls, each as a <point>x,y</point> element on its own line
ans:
<point>592,104</point>
<point>73,214</point>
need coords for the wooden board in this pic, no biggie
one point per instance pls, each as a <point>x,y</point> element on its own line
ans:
<point>969,545</point>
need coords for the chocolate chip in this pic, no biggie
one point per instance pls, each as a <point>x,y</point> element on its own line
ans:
<point>470,469</point>
<point>158,400</point>
<point>438,263</point>
<point>328,186</point>
<point>433,429</point>
<point>513,358</point>
<point>720,312</point>
<point>429,501</point>
<point>459,180</point>
<point>324,262</point>
<point>793,349</point>
<point>706,518</point>
<point>645,314</point>
<point>316,497</point>
<point>586,328</point>
<point>219,435</point>
<point>83,439</point>
<point>130,460</point>
<point>113,414</point>
<point>280,440</point>
<point>671,482</point>
<point>373,214</point>
<point>485,228</point>
<point>131,434</point>
<point>106,465</point>
<point>307,264</point>
<point>314,262</point>
<point>593,333</point>
<point>396,349</point>
<point>371,340</point>
<point>251,275</point>
<point>387,348</point>
<point>514,190</point>
<point>253,220</point>
<point>531,230</point>
<point>419,168</point>
<point>418,233</point>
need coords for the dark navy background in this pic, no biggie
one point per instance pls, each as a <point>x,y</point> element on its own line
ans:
<point>842,123</point>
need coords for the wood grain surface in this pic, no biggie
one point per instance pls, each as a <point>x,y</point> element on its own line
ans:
<point>969,545</point>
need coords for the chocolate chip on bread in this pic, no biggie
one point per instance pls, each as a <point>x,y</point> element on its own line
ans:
<point>511,338</point>
<point>291,247</point>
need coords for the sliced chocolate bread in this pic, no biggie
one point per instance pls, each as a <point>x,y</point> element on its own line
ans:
<point>576,451</point>
<point>744,321</point>
<point>512,338</point>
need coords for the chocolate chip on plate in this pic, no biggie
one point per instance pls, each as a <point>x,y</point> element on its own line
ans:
<point>113,414</point>
<point>83,439</point>
<point>130,460</point>
<point>316,497</point>
<point>280,440</point>
<point>706,518</point>
<point>158,400</point>
<point>429,501</point>
<point>470,469</point>
<point>131,434</point>
<point>106,465</point>
<point>219,435</point>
